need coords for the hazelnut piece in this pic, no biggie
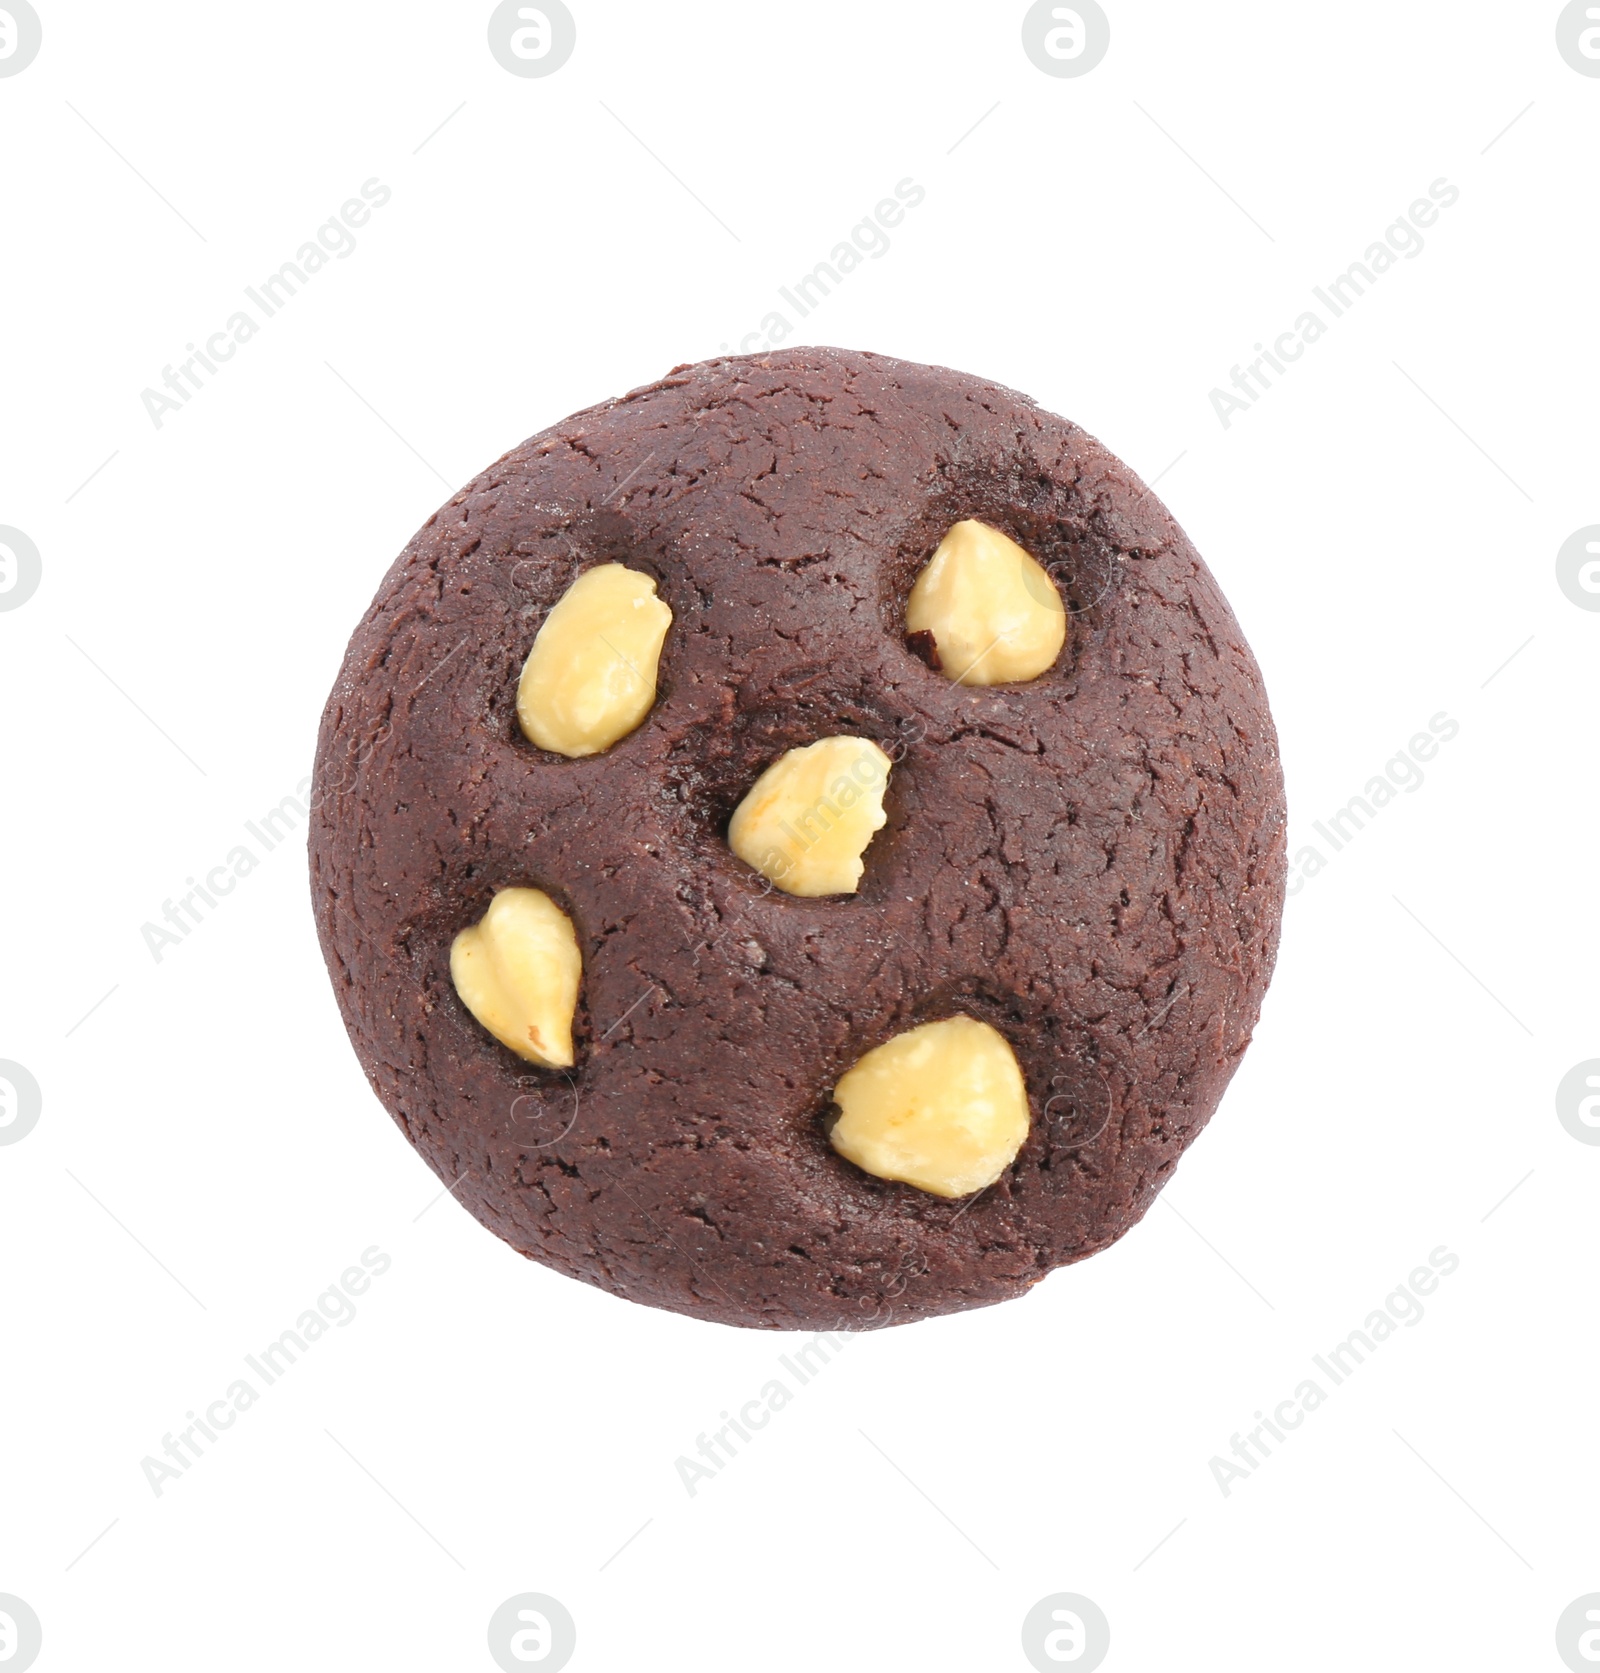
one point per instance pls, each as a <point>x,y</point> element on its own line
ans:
<point>806,822</point>
<point>517,971</point>
<point>591,675</point>
<point>992,612</point>
<point>942,1107</point>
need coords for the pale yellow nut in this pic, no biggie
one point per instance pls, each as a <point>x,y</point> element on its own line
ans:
<point>807,820</point>
<point>517,971</point>
<point>591,675</point>
<point>994,613</point>
<point>942,1107</point>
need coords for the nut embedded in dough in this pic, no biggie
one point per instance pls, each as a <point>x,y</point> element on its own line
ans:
<point>942,1107</point>
<point>517,971</point>
<point>806,822</point>
<point>591,675</point>
<point>993,612</point>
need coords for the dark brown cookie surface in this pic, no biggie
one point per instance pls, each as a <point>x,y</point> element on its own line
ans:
<point>1092,861</point>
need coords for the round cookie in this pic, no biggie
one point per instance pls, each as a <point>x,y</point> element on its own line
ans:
<point>1090,861</point>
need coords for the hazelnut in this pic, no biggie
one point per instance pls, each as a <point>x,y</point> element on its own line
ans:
<point>517,971</point>
<point>806,822</point>
<point>992,612</point>
<point>591,675</point>
<point>942,1107</point>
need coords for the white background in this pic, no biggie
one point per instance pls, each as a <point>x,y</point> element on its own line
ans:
<point>210,1158</point>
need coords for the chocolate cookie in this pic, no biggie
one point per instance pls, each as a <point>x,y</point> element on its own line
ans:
<point>632,1066</point>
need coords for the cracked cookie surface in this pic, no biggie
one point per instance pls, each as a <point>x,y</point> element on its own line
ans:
<point>1091,861</point>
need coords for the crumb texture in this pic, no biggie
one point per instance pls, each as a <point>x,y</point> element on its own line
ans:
<point>1091,862</point>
